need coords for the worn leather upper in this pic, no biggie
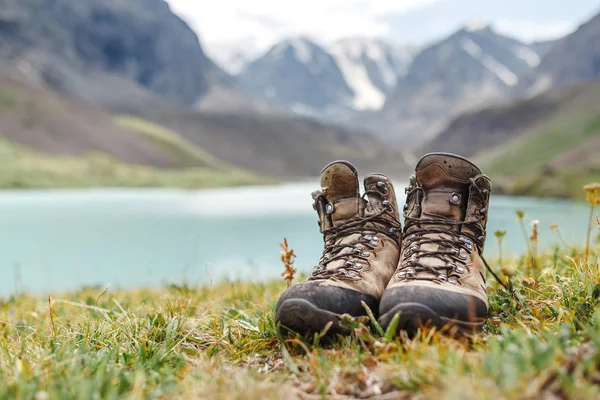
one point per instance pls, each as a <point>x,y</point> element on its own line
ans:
<point>445,221</point>
<point>361,233</point>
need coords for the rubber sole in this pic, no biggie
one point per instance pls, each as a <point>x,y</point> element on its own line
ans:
<point>415,316</point>
<point>301,316</point>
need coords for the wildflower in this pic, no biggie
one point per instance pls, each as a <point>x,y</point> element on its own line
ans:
<point>534,233</point>
<point>592,193</point>
<point>500,235</point>
<point>520,215</point>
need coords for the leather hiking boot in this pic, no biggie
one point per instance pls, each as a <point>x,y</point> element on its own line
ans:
<point>361,252</point>
<point>440,280</point>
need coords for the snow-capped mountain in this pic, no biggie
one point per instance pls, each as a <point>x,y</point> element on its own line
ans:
<point>473,67</point>
<point>572,60</point>
<point>301,75</point>
<point>371,68</point>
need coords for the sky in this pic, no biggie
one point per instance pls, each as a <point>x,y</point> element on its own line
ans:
<point>227,27</point>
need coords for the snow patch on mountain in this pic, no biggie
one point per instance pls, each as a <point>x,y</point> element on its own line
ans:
<point>529,56</point>
<point>366,95</point>
<point>493,65</point>
<point>372,68</point>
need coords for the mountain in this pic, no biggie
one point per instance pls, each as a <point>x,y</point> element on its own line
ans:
<point>111,53</point>
<point>175,106</point>
<point>543,47</point>
<point>572,60</point>
<point>300,75</point>
<point>372,68</point>
<point>473,67</point>
<point>44,121</point>
<point>491,127</point>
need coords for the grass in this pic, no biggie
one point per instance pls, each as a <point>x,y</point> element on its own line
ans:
<point>531,165</point>
<point>180,149</point>
<point>24,168</point>
<point>219,341</point>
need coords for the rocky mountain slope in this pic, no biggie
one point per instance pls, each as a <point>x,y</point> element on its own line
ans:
<point>572,60</point>
<point>111,53</point>
<point>64,58</point>
<point>300,75</point>
<point>354,75</point>
<point>394,92</point>
<point>372,68</point>
<point>37,118</point>
<point>490,127</point>
<point>473,67</point>
<point>570,77</point>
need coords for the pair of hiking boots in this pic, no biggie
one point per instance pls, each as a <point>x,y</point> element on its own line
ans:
<point>430,273</point>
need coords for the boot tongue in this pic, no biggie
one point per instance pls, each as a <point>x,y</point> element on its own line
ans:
<point>380,189</point>
<point>445,179</point>
<point>339,183</point>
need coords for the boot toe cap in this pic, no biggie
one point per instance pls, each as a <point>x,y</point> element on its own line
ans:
<point>447,304</point>
<point>332,298</point>
<point>309,306</point>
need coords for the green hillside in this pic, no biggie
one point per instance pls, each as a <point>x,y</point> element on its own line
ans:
<point>554,161</point>
<point>48,141</point>
<point>24,168</point>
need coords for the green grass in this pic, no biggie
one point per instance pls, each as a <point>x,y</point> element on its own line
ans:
<point>219,341</point>
<point>522,165</point>
<point>179,148</point>
<point>24,168</point>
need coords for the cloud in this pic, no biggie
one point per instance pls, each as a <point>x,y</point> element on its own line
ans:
<point>254,25</point>
<point>529,30</point>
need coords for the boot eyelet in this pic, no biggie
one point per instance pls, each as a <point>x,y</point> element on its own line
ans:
<point>356,251</point>
<point>387,205</point>
<point>329,209</point>
<point>349,264</point>
<point>442,278</point>
<point>410,272</point>
<point>358,266</point>
<point>368,237</point>
<point>453,280</point>
<point>468,243</point>
<point>455,199</point>
<point>382,187</point>
<point>366,254</point>
<point>394,232</point>
<point>459,270</point>
<point>401,275</point>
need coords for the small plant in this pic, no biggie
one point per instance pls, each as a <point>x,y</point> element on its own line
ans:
<point>529,242</point>
<point>592,194</point>
<point>533,240</point>
<point>500,238</point>
<point>287,257</point>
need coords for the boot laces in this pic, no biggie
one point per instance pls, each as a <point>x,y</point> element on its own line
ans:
<point>363,246</point>
<point>453,247</point>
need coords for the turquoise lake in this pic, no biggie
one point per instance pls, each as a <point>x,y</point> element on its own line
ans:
<point>56,241</point>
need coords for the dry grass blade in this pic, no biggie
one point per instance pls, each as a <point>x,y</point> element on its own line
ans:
<point>51,316</point>
<point>287,257</point>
